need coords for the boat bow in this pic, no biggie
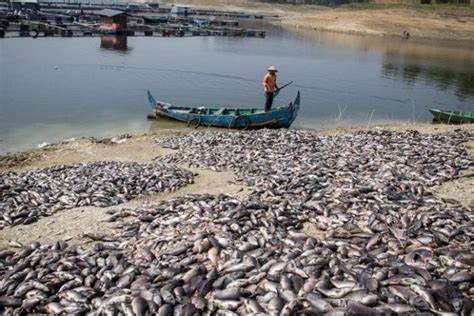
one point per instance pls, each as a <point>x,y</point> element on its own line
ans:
<point>151,100</point>
<point>154,104</point>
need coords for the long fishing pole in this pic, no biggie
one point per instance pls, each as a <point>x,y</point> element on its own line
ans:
<point>276,92</point>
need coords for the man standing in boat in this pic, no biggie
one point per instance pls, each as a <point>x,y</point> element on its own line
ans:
<point>270,86</point>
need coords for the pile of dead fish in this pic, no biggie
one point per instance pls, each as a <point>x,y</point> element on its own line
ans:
<point>300,165</point>
<point>217,255</point>
<point>283,157</point>
<point>25,196</point>
<point>380,241</point>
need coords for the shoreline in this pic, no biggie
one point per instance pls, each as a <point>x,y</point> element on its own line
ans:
<point>142,149</point>
<point>389,23</point>
<point>51,152</point>
<point>15,159</point>
<point>449,23</point>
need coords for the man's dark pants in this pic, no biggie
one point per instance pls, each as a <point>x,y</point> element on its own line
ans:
<point>268,101</point>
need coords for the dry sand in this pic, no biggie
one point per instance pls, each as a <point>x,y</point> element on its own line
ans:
<point>73,223</point>
<point>421,22</point>
<point>461,189</point>
<point>388,22</point>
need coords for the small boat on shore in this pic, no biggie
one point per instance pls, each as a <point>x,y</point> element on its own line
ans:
<point>456,117</point>
<point>238,118</point>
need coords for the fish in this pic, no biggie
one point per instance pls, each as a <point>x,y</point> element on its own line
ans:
<point>102,183</point>
<point>390,245</point>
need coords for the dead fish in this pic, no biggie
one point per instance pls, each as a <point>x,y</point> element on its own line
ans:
<point>10,301</point>
<point>226,304</point>
<point>461,276</point>
<point>334,292</point>
<point>231,294</point>
<point>253,307</point>
<point>318,303</point>
<point>139,306</point>
<point>105,177</point>
<point>361,309</point>
<point>213,255</point>
<point>382,241</point>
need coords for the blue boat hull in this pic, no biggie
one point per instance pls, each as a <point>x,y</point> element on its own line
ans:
<point>281,117</point>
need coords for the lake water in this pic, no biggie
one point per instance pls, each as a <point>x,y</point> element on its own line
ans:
<point>57,88</point>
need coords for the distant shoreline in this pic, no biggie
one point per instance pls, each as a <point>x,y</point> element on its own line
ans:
<point>438,22</point>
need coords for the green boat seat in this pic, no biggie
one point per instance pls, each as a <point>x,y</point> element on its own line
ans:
<point>220,111</point>
<point>199,110</point>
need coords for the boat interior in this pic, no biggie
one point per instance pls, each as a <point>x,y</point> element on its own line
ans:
<point>453,113</point>
<point>217,111</point>
<point>463,114</point>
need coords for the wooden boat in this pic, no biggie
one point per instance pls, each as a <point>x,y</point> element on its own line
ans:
<point>457,117</point>
<point>155,19</point>
<point>241,118</point>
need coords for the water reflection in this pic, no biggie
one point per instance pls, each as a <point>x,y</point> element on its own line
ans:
<point>114,42</point>
<point>344,80</point>
<point>394,46</point>
<point>443,64</point>
<point>160,124</point>
<point>163,124</point>
<point>443,78</point>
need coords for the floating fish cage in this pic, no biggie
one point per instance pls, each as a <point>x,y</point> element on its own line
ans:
<point>48,24</point>
<point>34,33</point>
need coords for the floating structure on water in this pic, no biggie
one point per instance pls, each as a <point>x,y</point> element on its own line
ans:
<point>66,19</point>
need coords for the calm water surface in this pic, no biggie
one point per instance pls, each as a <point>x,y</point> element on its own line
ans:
<point>53,88</point>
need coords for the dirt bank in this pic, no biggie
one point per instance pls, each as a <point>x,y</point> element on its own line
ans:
<point>386,22</point>
<point>438,22</point>
<point>72,224</point>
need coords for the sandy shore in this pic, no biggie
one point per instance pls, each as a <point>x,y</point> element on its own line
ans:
<point>72,224</point>
<point>386,22</point>
<point>446,23</point>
